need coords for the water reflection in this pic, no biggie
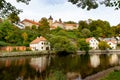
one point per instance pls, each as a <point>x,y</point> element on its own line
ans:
<point>95,60</point>
<point>42,67</point>
<point>113,59</point>
<point>39,64</point>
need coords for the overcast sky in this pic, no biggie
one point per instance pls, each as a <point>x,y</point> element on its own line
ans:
<point>65,10</point>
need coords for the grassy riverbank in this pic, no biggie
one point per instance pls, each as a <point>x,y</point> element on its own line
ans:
<point>112,76</point>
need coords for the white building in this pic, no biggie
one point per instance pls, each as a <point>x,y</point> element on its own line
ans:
<point>92,42</point>
<point>112,44</point>
<point>40,44</point>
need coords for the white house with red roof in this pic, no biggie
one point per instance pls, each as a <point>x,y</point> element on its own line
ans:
<point>93,42</point>
<point>112,44</point>
<point>40,44</point>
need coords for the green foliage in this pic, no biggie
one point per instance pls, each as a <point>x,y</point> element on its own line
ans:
<point>7,8</point>
<point>44,26</point>
<point>61,43</point>
<point>83,45</point>
<point>93,4</point>
<point>103,45</point>
<point>13,17</point>
<point>82,25</point>
<point>57,75</point>
<point>112,76</point>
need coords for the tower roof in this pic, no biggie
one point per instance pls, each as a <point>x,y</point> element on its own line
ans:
<point>50,18</point>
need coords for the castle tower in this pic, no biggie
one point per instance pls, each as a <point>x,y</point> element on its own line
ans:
<point>50,20</point>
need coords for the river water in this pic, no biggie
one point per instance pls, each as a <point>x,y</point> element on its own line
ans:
<point>54,67</point>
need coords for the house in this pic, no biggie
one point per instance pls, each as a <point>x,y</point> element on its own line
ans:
<point>92,42</point>
<point>66,26</point>
<point>57,24</point>
<point>112,42</point>
<point>40,44</point>
<point>70,26</point>
<point>19,25</point>
<point>30,23</point>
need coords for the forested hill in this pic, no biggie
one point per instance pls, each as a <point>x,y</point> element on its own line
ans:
<point>11,35</point>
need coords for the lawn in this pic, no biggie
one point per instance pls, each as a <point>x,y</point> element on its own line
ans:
<point>113,76</point>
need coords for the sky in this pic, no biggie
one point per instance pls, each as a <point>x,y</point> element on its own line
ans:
<point>66,11</point>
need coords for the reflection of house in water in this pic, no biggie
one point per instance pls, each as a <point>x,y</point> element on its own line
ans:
<point>95,60</point>
<point>114,59</point>
<point>39,64</point>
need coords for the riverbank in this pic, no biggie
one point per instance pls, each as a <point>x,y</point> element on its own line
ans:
<point>35,53</point>
<point>25,53</point>
<point>102,74</point>
<point>99,52</point>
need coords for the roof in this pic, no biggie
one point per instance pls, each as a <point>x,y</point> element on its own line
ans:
<point>38,39</point>
<point>88,39</point>
<point>30,21</point>
<point>111,42</point>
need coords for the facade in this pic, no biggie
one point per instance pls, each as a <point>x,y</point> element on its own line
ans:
<point>29,23</point>
<point>70,26</point>
<point>112,44</point>
<point>66,26</point>
<point>92,42</point>
<point>40,44</point>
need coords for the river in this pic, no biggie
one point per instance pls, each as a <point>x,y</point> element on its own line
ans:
<point>54,67</point>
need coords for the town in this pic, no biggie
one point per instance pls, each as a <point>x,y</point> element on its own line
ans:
<point>50,34</point>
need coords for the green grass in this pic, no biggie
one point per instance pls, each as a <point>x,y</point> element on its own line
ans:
<point>112,76</point>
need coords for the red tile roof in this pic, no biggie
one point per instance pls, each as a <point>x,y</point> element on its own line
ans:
<point>38,39</point>
<point>88,39</point>
<point>30,21</point>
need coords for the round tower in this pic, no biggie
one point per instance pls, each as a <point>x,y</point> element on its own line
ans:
<point>50,20</point>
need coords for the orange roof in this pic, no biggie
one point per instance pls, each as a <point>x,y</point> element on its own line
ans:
<point>111,41</point>
<point>38,39</point>
<point>30,21</point>
<point>88,39</point>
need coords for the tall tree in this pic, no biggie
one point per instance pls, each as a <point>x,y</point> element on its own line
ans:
<point>44,26</point>
<point>6,7</point>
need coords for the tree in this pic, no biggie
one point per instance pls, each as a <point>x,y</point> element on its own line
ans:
<point>7,8</point>
<point>82,25</point>
<point>103,45</point>
<point>93,4</point>
<point>83,45</point>
<point>25,37</point>
<point>44,26</point>
<point>13,17</point>
<point>62,44</point>
<point>86,33</point>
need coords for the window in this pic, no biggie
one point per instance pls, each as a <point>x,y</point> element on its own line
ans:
<point>42,43</point>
